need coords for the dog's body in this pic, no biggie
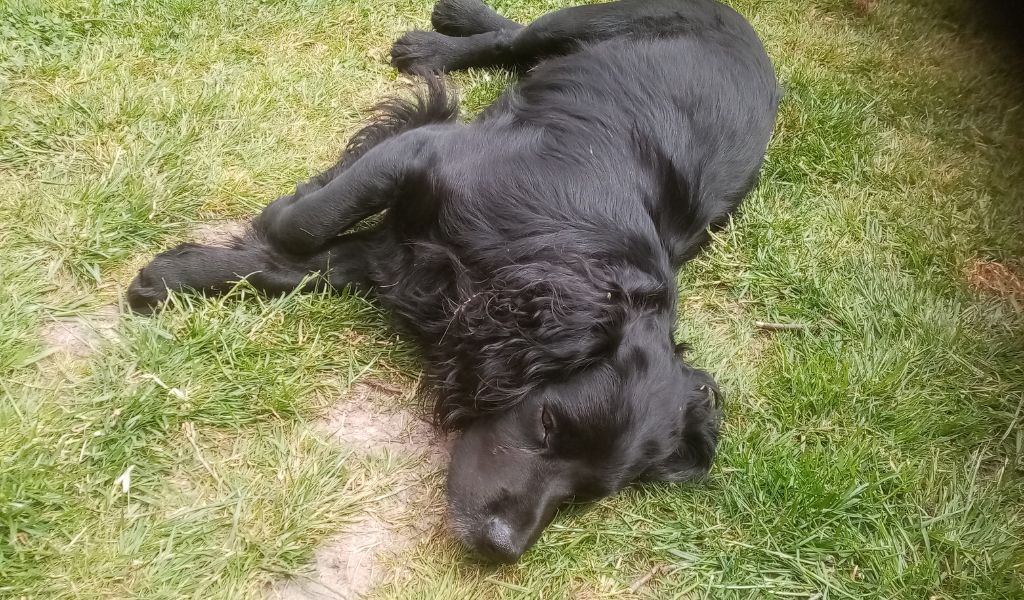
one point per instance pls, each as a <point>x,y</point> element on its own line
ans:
<point>531,253</point>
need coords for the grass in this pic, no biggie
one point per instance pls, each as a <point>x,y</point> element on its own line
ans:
<point>879,454</point>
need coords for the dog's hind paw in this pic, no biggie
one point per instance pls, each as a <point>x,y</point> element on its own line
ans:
<point>461,18</point>
<point>422,51</point>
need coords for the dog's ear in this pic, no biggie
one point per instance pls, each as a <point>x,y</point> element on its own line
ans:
<point>695,435</point>
<point>531,322</point>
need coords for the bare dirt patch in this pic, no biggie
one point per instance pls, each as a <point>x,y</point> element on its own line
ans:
<point>997,278</point>
<point>372,417</point>
<point>863,8</point>
<point>219,233</point>
<point>79,337</point>
<point>410,512</point>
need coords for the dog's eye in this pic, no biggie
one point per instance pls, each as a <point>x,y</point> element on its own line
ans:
<point>548,421</point>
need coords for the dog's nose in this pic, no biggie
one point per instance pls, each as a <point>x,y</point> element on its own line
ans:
<point>495,542</point>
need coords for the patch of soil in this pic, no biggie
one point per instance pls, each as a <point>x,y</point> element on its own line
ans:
<point>864,8</point>
<point>80,337</point>
<point>371,419</point>
<point>997,278</point>
<point>219,233</point>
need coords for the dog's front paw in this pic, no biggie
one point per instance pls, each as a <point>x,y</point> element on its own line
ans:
<point>422,51</point>
<point>169,270</point>
<point>268,222</point>
<point>146,293</point>
<point>277,224</point>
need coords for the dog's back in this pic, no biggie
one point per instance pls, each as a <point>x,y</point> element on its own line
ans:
<point>664,124</point>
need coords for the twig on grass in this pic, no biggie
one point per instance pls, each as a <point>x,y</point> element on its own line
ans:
<point>639,583</point>
<point>779,326</point>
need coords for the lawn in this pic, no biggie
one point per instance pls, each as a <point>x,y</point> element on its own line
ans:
<point>876,454</point>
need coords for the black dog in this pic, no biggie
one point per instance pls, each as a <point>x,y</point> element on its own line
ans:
<point>531,253</point>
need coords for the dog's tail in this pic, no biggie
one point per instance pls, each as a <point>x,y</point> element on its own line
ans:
<point>433,101</point>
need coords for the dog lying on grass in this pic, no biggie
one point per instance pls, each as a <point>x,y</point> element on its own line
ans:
<point>531,253</point>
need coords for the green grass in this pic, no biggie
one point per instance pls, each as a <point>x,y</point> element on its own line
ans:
<point>878,454</point>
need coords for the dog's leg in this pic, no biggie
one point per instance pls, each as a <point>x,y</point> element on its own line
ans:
<point>269,263</point>
<point>214,269</point>
<point>305,224</point>
<point>459,18</point>
<point>299,234</point>
<point>294,236</point>
<point>555,33</point>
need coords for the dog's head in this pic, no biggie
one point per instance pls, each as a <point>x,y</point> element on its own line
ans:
<point>641,414</point>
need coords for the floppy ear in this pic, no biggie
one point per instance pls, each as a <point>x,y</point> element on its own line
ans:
<point>695,434</point>
<point>532,321</point>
